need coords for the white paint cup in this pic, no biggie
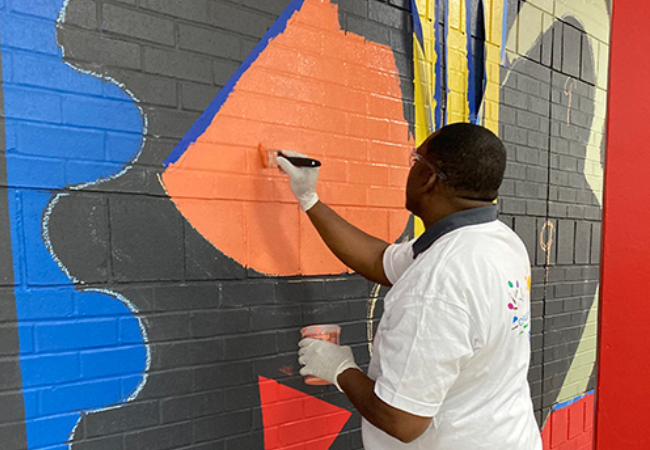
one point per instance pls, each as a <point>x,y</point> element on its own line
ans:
<point>328,332</point>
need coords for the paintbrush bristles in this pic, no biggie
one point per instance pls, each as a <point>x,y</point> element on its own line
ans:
<point>268,156</point>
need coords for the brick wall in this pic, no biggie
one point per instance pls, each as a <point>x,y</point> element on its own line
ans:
<point>151,294</point>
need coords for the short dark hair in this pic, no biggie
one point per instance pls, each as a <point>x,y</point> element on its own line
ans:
<point>472,158</point>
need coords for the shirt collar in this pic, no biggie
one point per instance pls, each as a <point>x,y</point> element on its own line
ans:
<point>473,216</point>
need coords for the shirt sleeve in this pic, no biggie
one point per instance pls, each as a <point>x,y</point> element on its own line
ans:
<point>421,348</point>
<point>397,258</point>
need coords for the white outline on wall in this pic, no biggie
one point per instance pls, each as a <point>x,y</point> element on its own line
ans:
<point>54,201</point>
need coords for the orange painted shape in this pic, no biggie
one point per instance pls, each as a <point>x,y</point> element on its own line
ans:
<point>315,89</point>
<point>319,259</point>
<point>293,419</point>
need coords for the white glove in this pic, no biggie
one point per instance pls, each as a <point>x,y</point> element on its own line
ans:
<point>325,360</point>
<point>302,180</point>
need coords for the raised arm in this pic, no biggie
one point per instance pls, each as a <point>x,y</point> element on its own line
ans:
<point>357,249</point>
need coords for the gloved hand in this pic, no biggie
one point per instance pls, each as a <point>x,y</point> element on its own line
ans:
<point>302,180</point>
<point>325,360</point>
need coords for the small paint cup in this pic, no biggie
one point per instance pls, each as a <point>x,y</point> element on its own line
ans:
<point>330,333</point>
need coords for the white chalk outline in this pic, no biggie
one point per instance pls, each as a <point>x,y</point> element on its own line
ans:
<point>52,204</point>
<point>135,313</point>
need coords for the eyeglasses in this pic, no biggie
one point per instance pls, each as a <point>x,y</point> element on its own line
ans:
<point>416,157</point>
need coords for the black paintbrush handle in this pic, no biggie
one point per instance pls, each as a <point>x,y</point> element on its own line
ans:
<point>299,161</point>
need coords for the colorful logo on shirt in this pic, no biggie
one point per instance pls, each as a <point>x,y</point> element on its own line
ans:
<point>520,315</point>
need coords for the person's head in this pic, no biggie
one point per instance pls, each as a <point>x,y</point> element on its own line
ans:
<point>460,166</point>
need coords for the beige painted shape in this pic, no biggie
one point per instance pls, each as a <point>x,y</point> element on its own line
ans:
<point>530,28</point>
<point>583,363</point>
<point>546,5</point>
<point>603,65</point>
<point>592,13</point>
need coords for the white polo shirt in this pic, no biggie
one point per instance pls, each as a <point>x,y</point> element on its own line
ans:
<point>453,342</point>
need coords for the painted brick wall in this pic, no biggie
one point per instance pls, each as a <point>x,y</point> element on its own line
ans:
<point>155,275</point>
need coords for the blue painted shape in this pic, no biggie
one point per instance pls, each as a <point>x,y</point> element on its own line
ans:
<point>94,304</point>
<point>117,145</point>
<point>77,397</point>
<point>26,337</point>
<point>60,77</point>
<point>205,119</point>
<point>39,8</point>
<point>30,396</point>
<point>47,303</point>
<point>27,170</point>
<point>75,171</point>
<point>127,334</point>
<point>107,114</point>
<point>50,430</point>
<point>120,361</point>
<point>504,32</point>
<point>75,335</point>
<point>48,369</point>
<point>417,25</point>
<point>572,401</point>
<point>475,32</point>
<point>438,118</point>
<point>446,54</point>
<point>55,127</point>
<point>471,70</point>
<point>128,385</point>
<point>76,143</point>
<point>32,104</point>
<point>41,268</point>
<point>26,33</point>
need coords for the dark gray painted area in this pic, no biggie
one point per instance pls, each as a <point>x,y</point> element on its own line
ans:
<point>12,408</point>
<point>213,325</point>
<point>547,108</point>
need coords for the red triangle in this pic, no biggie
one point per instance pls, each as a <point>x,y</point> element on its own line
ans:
<point>294,420</point>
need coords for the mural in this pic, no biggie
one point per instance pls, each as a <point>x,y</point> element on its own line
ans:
<point>160,273</point>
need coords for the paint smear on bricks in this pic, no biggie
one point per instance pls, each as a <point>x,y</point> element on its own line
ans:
<point>314,88</point>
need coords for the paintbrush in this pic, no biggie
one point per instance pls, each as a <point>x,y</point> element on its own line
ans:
<point>270,158</point>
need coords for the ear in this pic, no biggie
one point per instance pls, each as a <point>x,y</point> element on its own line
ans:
<point>430,183</point>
